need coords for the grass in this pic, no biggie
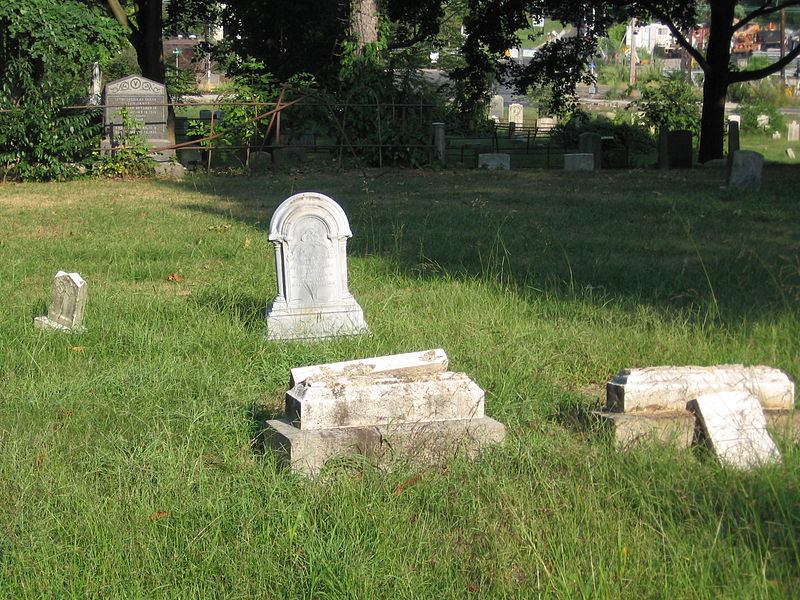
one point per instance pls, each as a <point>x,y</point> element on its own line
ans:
<point>128,467</point>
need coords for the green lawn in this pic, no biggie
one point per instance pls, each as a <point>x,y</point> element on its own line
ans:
<point>129,457</point>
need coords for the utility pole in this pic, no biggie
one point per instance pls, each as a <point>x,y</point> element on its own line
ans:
<point>783,45</point>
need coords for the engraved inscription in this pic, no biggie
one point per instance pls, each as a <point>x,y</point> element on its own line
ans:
<point>313,263</point>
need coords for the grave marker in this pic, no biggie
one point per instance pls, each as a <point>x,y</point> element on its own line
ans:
<point>67,307</point>
<point>745,172</point>
<point>793,132</point>
<point>591,143</point>
<point>679,149</point>
<point>516,115</point>
<point>310,231</point>
<point>579,162</point>
<point>496,107</point>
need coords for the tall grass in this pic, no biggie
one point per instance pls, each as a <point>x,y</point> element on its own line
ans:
<point>129,462</point>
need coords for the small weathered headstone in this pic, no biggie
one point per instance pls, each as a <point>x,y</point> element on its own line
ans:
<point>310,231</point>
<point>545,124</point>
<point>67,307</point>
<point>494,161</point>
<point>591,143</point>
<point>776,135</point>
<point>679,149</point>
<point>790,153</point>
<point>793,131</point>
<point>579,162</point>
<point>733,137</point>
<point>762,121</point>
<point>735,427</point>
<point>496,106</point>
<point>745,171</point>
<point>516,114</point>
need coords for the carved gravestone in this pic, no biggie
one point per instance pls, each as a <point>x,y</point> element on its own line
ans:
<point>310,231</point>
<point>146,103</point>
<point>745,170</point>
<point>496,107</point>
<point>793,132</point>
<point>591,143</point>
<point>679,149</point>
<point>66,309</point>
<point>516,115</point>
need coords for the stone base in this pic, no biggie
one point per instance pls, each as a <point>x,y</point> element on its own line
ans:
<point>432,442</point>
<point>45,323</point>
<point>494,161</point>
<point>315,323</point>
<point>677,428</point>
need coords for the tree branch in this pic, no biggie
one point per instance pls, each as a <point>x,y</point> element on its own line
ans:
<point>686,44</point>
<point>762,10</point>
<point>738,76</point>
<point>120,16</point>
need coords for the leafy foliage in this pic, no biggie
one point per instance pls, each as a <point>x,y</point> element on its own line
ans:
<point>46,52</point>
<point>751,109</point>
<point>129,159</point>
<point>670,103</point>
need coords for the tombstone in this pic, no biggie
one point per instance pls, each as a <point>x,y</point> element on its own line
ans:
<point>745,171</point>
<point>776,135</point>
<point>736,429</point>
<point>579,162</point>
<point>440,142</point>
<point>591,143</point>
<point>762,121</point>
<point>790,153</point>
<point>545,124</point>
<point>146,102</point>
<point>494,161</point>
<point>310,231</point>
<point>733,137</point>
<point>663,149</point>
<point>205,115</point>
<point>793,132</point>
<point>66,309</point>
<point>406,406</point>
<point>679,149</point>
<point>516,114</point>
<point>496,107</point>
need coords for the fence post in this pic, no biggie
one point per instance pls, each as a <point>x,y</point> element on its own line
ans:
<point>440,142</point>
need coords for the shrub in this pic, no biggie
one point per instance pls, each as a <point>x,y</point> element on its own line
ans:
<point>671,103</point>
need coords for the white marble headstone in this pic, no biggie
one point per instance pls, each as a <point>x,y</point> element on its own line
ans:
<point>516,114</point>
<point>310,231</point>
<point>66,309</point>
<point>496,107</point>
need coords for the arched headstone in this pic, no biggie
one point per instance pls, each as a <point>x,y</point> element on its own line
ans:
<point>310,231</point>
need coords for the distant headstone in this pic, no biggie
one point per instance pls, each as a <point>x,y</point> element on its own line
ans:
<point>145,101</point>
<point>67,306</point>
<point>790,153</point>
<point>735,118</point>
<point>579,162</point>
<point>679,149</point>
<point>745,172</point>
<point>793,132</point>
<point>440,142</point>
<point>776,135</point>
<point>591,143</point>
<point>733,137</point>
<point>205,114</point>
<point>496,106</point>
<point>736,428</point>
<point>494,161</point>
<point>545,124</point>
<point>516,114</point>
<point>310,231</point>
<point>762,121</point>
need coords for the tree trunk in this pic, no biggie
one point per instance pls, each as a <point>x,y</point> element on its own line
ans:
<point>715,84</point>
<point>363,23</point>
<point>147,42</point>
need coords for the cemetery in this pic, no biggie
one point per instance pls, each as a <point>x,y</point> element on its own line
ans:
<point>400,318</point>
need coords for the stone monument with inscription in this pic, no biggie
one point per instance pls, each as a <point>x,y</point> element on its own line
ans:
<point>310,231</point>
<point>146,103</point>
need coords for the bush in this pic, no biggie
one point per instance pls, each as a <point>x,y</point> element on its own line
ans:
<point>751,108</point>
<point>635,138</point>
<point>671,103</point>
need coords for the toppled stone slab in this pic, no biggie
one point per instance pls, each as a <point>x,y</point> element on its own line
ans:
<point>671,388</point>
<point>306,451</point>
<point>580,161</point>
<point>677,428</point>
<point>373,401</point>
<point>397,365</point>
<point>736,429</point>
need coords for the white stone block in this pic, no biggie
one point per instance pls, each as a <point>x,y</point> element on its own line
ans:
<point>494,161</point>
<point>671,388</point>
<point>736,429</point>
<point>410,364</point>
<point>579,161</point>
<point>370,401</point>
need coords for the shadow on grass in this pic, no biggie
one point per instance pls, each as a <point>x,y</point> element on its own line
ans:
<point>673,239</point>
<point>249,310</point>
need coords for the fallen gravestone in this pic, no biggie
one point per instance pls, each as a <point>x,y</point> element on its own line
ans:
<point>406,407</point>
<point>67,307</point>
<point>745,171</point>
<point>736,429</point>
<point>652,403</point>
<point>310,231</point>
<point>790,153</point>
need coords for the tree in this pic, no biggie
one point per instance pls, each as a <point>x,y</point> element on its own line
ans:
<point>144,33</point>
<point>493,25</point>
